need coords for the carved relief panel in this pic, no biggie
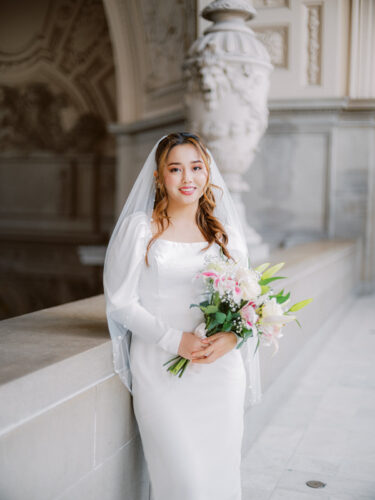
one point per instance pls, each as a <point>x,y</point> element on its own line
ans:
<point>170,29</point>
<point>275,38</point>
<point>264,4</point>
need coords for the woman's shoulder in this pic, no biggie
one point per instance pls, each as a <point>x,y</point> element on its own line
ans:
<point>138,218</point>
<point>137,222</point>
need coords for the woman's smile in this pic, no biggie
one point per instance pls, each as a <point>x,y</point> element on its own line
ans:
<point>187,190</point>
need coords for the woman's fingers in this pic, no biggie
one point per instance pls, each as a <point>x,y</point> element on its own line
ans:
<point>213,350</point>
<point>214,337</point>
<point>206,354</point>
<point>205,359</point>
<point>201,352</point>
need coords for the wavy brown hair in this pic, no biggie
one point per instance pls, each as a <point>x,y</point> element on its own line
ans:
<point>211,228</point>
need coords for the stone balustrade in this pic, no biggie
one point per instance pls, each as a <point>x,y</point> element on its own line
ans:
<point>67,428</point>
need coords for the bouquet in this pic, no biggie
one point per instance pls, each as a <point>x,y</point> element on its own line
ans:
<point>241,300</point>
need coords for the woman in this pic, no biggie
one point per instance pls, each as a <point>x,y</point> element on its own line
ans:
<point>191,427</point>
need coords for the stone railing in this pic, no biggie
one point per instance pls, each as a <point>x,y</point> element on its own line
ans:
<point>67,427</point>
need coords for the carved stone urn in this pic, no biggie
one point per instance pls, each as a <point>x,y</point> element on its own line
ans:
<point>227,72</point>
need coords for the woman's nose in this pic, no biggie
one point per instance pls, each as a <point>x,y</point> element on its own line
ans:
<point>186,175</point>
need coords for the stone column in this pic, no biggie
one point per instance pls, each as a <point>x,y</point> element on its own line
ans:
<point>362,55</point>
<point>227,70</point>
<point>362,91</point>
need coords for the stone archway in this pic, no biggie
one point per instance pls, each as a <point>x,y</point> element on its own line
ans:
<point>57,97</point>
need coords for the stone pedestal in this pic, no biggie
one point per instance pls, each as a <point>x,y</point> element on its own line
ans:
<point>227,71</point>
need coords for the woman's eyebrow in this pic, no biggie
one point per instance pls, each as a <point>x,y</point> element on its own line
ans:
<point>176,163</point>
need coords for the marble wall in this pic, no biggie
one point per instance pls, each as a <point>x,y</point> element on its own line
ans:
<point>312,177</point>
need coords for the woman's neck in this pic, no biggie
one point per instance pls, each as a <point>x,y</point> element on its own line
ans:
<point>182,213</point>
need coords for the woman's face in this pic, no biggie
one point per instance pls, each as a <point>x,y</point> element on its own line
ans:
<point>185,175</point>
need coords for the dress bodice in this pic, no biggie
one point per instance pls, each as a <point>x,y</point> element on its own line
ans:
<point>169,285</point>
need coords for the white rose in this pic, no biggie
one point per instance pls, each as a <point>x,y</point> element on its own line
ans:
<point>200,331</point>
<point>272,308</point>
<point>249,283</point>
<point>251,289</point>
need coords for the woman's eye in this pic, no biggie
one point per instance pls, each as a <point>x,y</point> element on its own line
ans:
<point>173,169</point>
<point>198,167</point>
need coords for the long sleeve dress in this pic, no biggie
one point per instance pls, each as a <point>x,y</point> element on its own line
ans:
<point>191,427</point>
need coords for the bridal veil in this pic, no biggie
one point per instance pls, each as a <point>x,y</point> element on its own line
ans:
<point>118,266</point>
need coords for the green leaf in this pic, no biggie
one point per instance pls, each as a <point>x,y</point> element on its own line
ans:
<point>264,289</point>
<point>212,326</point>
<point>210,309</point>
<point>194,305</point>
<point>257,346</point>
<point>282,299</point>
<point>220,317</point>
<point>240,344</point>
<point>300,305</point>
<point>272,270</point>
<point>298,323</point>
<point>216,299</point>
<point>262,267</point>
<point>280,294</point>
<point>268,280</point>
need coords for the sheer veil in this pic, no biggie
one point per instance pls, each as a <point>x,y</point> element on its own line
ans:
<point>117,263</point>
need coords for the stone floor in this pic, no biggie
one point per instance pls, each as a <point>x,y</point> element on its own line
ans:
<point>325,430</point>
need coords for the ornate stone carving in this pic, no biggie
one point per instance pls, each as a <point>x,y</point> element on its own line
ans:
<point>263,4</point>
<point>169,32</point>
<point>314,13</point>
<point>32,118</point>
<point>56,93</point>
<point>213,11</point>
<point>83,37</point>
<point>227,72</point>
<point>71,48</point>
<point>275,38</point>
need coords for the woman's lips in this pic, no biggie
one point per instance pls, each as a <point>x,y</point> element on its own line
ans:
<point>187,191</point>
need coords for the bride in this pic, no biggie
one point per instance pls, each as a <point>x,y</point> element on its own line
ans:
<point>179,213</point>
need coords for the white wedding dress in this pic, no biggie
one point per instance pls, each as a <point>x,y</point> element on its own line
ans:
<point>191,427</point>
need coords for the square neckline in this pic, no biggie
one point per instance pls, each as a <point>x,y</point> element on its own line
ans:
<point>172,241</point>
<point>182,242</point>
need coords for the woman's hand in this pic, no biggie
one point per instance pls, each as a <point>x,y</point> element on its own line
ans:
<point>189,343</point>
<point>217,345</point>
